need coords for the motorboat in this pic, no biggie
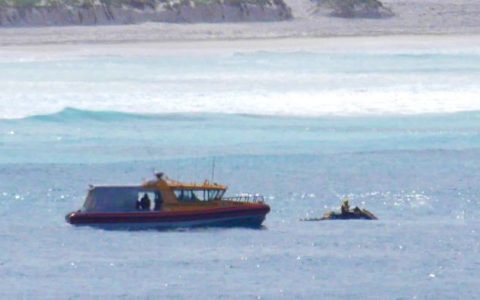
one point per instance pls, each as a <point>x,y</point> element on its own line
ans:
<point>166,203</point>
<point>355,214</point>
<point>346,213</point>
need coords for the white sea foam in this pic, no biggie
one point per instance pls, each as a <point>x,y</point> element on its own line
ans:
<point>286,104</point>
<point>301,83</point>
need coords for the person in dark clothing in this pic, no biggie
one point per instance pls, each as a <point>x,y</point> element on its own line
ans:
<point>144,202</point>
<point>158,201</point>
<point>345,206</point>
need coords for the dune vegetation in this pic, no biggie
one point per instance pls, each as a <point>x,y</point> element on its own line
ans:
<point>132,3</point>
<point>97,12</point>
<point>357,8</point>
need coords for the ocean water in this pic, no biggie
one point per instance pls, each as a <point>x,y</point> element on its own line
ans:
<point>398,133</point>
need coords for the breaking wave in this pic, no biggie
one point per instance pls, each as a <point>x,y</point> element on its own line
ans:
<point>72,115</point>
<point>306,104</point>
<point>263,84</point>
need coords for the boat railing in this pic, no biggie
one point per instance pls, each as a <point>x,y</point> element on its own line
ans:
<point>252,198</point>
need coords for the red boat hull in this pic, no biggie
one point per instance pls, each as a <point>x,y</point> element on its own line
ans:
<point>242,216</point>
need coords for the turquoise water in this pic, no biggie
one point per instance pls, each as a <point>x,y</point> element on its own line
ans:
<point>257,83</point>
<point>398,133</point>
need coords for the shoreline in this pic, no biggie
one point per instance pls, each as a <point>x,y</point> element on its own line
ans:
<point>178,33</point>
<point>271,77</point>
<point>411,43</point>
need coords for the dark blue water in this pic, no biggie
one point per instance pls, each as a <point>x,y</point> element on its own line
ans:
<point>419,174</point>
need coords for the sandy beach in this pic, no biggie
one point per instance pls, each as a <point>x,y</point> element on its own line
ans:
<point>375,44</point>
<point>442,17</point>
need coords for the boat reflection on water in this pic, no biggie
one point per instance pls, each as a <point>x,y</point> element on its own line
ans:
<point>164,203</point>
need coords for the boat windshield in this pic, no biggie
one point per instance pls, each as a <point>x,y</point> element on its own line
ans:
<point>198,195</point>
<point>122,199</point>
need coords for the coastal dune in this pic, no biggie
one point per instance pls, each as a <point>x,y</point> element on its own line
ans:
<point>103,13</point>
<point>301,18</point>
<point>14,13</point>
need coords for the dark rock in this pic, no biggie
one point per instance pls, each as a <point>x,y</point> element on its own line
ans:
<point>140,11</point>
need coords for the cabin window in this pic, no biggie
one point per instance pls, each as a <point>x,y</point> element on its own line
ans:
<point>215,194</point>
<point>185,195</point>
<point>198,195</point>
<point>148,200</point>
<point>220,194</point>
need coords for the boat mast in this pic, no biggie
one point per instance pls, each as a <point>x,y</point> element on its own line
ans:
<point>213,168</point>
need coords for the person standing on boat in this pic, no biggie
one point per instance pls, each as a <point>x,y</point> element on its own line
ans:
<point>345,208</point>
<point>158,201</point>
<point>144,202</point>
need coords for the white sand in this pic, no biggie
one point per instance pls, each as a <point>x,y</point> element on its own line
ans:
<point>377,44</point>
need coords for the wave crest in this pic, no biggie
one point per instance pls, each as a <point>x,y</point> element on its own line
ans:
<point>75,114</point>
<point>71,114</point>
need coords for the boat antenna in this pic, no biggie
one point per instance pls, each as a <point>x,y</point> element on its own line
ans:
<point>213,168</point>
